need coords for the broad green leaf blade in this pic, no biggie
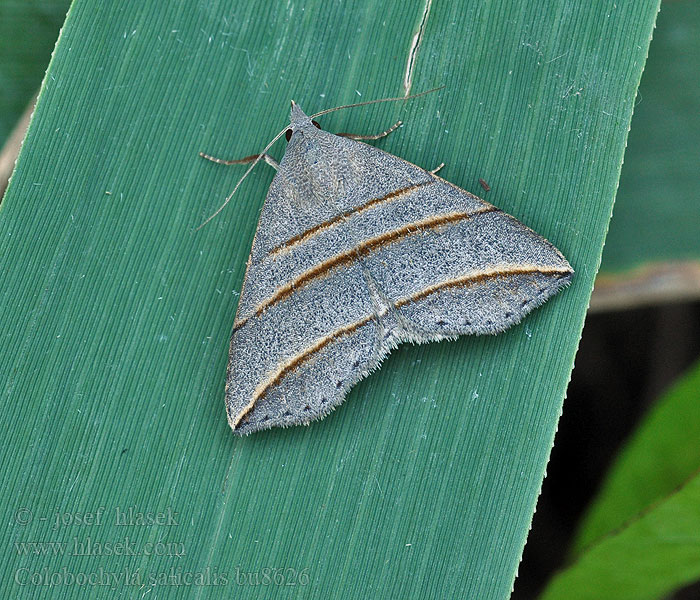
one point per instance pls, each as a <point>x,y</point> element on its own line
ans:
<point>641,538</point>
<point>658,199</point>
<point>652,252</point>
<point>117,314</point>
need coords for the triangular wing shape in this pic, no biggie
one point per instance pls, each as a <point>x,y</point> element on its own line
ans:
<point>356,251</point>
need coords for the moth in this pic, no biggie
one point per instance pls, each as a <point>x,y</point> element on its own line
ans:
<point>355,252</point>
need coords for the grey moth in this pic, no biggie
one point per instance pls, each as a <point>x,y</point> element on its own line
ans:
<point>356,251</point>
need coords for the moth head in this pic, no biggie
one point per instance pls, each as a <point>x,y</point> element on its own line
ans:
<point>298,120</point>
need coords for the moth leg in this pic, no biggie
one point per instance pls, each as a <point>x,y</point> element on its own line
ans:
<point>436,169</point>
<point>242,161</point>
<point>354,136</point>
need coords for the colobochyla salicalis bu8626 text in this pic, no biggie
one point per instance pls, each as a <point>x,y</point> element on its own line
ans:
<point>356,251</point>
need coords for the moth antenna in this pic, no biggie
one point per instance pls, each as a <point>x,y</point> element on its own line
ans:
<point>248,170</point>
<point>329,110</point>
<point>281,133</point>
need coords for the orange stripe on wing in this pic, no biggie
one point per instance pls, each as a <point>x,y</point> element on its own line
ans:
<point>479,277</point>
<point>316,229</point>
<point>295,362</point>
<point>363,249</point>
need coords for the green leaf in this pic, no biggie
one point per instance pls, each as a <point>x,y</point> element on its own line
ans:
<point>28,31</point>
<point>658,200</point>
<point>652,252</point>
<point>117,314</point>
<point>641,537</point>
<point>661,456</point>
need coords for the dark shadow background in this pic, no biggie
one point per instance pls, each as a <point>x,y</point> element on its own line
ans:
<point>625,361</point>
